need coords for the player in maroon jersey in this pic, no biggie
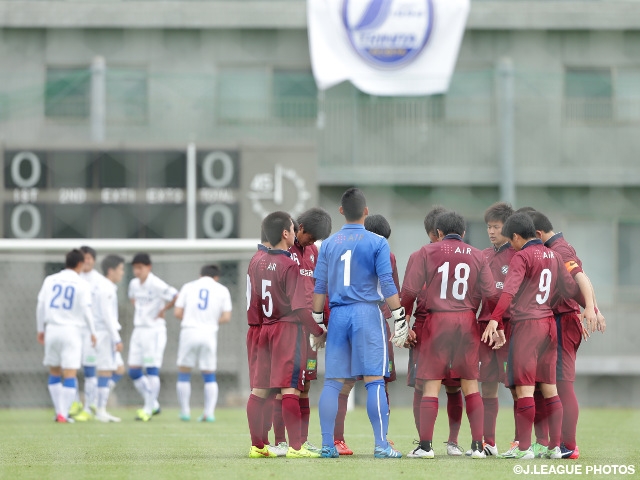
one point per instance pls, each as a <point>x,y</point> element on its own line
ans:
<point>313,225</point>
<point>570,330</point>
<point>457,278</point>
<point>282,340</point>
<point>452,385</point>
<point>536,279</point>
<point>493,362</point>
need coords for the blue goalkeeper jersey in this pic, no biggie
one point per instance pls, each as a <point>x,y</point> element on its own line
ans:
<point>354,265</point>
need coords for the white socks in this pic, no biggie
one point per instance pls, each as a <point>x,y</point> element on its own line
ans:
<point>90,392</point>
<point>210,398</point>
<point>103,397</point>
<point>184,395</point>
<point>154,392</point>
<point>55,390</point>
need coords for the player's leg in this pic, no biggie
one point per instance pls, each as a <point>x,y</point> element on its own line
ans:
<point>183,389</point>
<point>491,407</point>
<point>55,390</point>
<point>187,354</point>
<point>569,340</point>
<point>525,415</point>
<point>280,435</point>
<point>104,377</point>
<point>153,368</point>
<point>69,388</point>
<point>135,361</point>
<point>260,392</point>
<point>106,365</point>
<point>455,407</point>
<point>90,378</point>
<point>475,414</point>
<point>338,429</point>
<point>554,413</point>
<point>428,415</point>
<point>70,339</point>
<point>540,425</point>
<point>118,372</point>
<point>211,396</point>
<point>546,374</point>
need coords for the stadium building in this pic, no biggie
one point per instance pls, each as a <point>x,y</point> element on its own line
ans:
<point>99,102</point>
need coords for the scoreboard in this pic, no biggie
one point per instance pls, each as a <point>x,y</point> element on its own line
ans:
<point>141,193</point>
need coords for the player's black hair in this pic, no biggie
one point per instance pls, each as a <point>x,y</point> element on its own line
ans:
<point>525,210</point>
<point>296,227</point>
<point>73,258</point>
<point>263,236</point>
<point>521,224</point>
<point>111,262</point>
<point>378,224</point>
<point>430,218</point>
<point>86,249</point>
<point>450,222</point>
<point>317,222</point>
<point>212,271</point>
<point>142,258</point>
<point>274,224</point>
<point>541,222</point>
<point>498,212</point>
<point>353,204</point>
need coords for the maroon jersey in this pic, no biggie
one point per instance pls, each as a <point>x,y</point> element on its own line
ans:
<point>384,308</point>
<point>254,311</point>
<point>498,259</point>
<point>573,264</point>
<point>456,276</point>
<point>421,306</point>
<point>277,284</point>
<point>535,281</point>
<point>306,258</point>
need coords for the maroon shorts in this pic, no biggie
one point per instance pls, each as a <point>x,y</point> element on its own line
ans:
<point>414,353</point>
<point>253,337</point>
<point>449,347</point>
<point>532,352</point>
<point>569,327</point>
<point>493,363</point>
<point>281,356</point>
<point>392,362</point>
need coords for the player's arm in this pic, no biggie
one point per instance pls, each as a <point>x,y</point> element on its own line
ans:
<point>226,308</point>
<point>413,281</point>
<point>320,289</point>
<point>110,317</point>
<point>169,295</point>
<point>512,282</point>
<point>40,314</point>
<point>180,302</point>
<point>390,293</point>
<point>85,298</point>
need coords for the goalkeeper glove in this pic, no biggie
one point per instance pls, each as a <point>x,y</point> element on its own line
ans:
<point>401,327</point>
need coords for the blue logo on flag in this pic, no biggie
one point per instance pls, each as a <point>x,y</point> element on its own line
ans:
<point>388,33</point>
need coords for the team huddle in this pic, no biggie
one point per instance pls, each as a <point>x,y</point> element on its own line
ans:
<point>509,314</point>
<point>77,319</point>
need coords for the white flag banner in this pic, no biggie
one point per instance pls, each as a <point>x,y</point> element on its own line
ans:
<point>386,47</point>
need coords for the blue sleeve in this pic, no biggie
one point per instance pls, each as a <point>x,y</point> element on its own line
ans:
<point>385,271</point>
<point>320,272</point>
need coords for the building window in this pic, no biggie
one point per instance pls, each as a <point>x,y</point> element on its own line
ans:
<point>588,94</point>
<point>243,95</point>
<point>627,94</point>
<point>67,93</point>
<point>628,260</point>
<point>295,94</point>
<point>127,94</point>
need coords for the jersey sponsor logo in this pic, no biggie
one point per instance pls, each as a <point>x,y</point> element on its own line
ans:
<point>463,250</point>
<point>311,364</point>
<point>272,267</point>
<point>504,269</point>
<point>312,258</point>
<point>388,34</point>
<point>499,285</point>
<point>306,273</point>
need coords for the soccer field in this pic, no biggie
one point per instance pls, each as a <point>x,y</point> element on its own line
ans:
<point>33,446</point>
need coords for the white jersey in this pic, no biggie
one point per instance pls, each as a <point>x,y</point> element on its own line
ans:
<point>150,297</point>
<point>105,307</point>
<point>203,301</point>
<point>65,300</point>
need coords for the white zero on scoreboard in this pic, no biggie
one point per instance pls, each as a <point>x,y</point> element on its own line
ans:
<point>36,169</point>
<point>25,211</point>
<point>218,219</point>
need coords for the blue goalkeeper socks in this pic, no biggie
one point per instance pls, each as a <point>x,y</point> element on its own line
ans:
<point>378,411</point>
<point>328,409</point>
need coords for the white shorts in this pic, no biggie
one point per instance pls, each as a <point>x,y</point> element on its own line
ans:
<point>89,353</point>
<point>106,355</point>
<point>63,347</point>
<point>198,345</point>
<point>147,346</point>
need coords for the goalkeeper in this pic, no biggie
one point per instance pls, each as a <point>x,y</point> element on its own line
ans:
<point>354,266</point>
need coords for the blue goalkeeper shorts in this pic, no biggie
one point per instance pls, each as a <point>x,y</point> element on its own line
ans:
<point>356,342</point>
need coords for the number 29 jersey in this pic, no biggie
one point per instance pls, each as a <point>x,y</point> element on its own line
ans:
<point>457,276</point>
<point>65,299</point>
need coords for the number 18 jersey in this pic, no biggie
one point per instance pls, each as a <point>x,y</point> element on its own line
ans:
<point>457,276</point>
<point>203,301</point>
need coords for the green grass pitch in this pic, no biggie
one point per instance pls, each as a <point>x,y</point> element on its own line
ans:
<point>33,446</point>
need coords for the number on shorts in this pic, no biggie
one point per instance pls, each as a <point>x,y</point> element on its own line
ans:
<point>204,299</point>
<point>67,294</point>
<point>346,258</point>
<point>266,295</point>
<point>544,286</point>
<point>460,285</point>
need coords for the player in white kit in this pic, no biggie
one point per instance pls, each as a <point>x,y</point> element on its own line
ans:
<point>202,306</point>
<point>152,297</point>
<point>64,309</point>
<point>109,344</point>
